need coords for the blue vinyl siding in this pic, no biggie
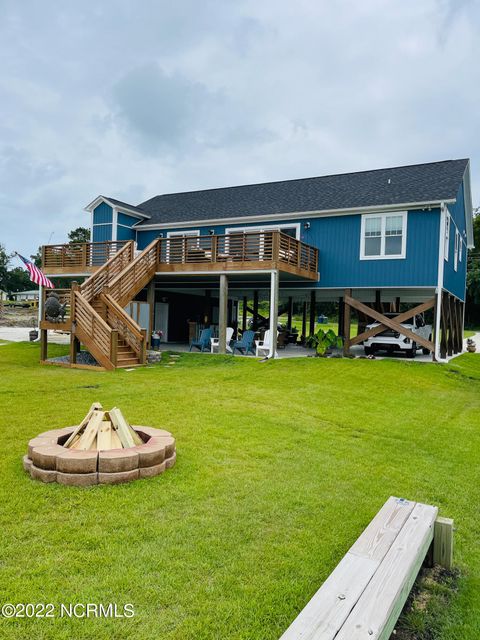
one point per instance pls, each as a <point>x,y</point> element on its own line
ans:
<point>454,281</point>
<point>338,241</point>
<point>124,233</point>
<point>127,221</point>
<point>102,232</point>
<point>102,214</point>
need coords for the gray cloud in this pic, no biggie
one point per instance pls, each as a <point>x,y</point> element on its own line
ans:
<point>133,99</point>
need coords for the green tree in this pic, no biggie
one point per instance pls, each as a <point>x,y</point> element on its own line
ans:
<point>473,273</point>
<point>4,264</point>
<point>80,234</point>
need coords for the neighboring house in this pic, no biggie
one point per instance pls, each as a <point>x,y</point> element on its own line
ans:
<point>370,240</point>
<point>26,296</point>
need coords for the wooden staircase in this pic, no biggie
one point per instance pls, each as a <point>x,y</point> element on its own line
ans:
<point>99,320</point>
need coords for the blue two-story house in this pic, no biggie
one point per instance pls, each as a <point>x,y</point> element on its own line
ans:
<point>370,241</point>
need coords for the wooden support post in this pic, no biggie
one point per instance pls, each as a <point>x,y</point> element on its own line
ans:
<point>304,321</point>
<point>244,313</point>
<point>207,313</point>
<point>222,314</point>
<point>443,326</point>
<point>151,310</point>
<point>347,317</point>
<point>74,348</point>
<point>378,300</point>
<point>289,313</point>
<point>43,344</point>
<point>443,542</point>
<point>341,310</point>
<point>255,310</point>
<point>142,357</point>
<point>273,313</point>
<point>312,313</point>
<point>114,347</point>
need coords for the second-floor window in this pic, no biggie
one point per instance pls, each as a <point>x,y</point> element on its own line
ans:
<point>384,235</point>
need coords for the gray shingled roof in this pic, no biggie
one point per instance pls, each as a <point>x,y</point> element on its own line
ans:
<point>429,182</point>
<point>125,204</point>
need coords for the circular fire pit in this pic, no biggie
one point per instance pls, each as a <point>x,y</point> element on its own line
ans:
<point>49,460</point>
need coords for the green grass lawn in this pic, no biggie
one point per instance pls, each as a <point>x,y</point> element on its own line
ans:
<point>280,468</point>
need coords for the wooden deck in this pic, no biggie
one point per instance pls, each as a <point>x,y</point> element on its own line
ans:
<point>251,251</point>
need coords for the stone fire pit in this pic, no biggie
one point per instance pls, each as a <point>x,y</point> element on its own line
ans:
<point>50,460</point>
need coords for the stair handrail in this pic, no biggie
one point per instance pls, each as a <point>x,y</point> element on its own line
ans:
<point>88,320</point>
<point>115,286</point>
<point>94,284</point>
<point>126,326</point>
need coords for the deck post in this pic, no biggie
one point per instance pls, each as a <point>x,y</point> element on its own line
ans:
<point>151,310</point>
<point>255,310</point>
<point>222,314</point>
<point>273,313</point>
<point>43,345</point>
<point>290,313</point>
<point>312,313</point>
<point>341,309</point>
<point>304,321</point>
<point>244,313</point>
<point>347,317</point>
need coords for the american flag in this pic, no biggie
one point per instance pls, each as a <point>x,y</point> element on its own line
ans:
<point>35,274</point>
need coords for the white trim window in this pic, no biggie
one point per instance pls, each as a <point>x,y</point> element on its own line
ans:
<point>383,236</point>
<point>457,249</point>
<point>178,246</point>
<point>460,248</point>
<point>446,249</point>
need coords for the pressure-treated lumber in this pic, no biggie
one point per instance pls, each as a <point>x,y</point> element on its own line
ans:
<point>443,542</point>
<point>96,406</point>
<point>327,611</point>
<point>104,436</point>
<point>364,595</point>
<point>91,429</point>
<point>122,428</point>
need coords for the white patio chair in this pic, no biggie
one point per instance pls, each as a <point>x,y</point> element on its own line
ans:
<point>264,345</point>
<point>214,342</point>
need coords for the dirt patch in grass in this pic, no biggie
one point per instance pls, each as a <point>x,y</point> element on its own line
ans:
<point>431,594</point>
<point>18,317</point>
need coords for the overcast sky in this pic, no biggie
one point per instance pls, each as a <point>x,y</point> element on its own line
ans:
<point>135,98</point>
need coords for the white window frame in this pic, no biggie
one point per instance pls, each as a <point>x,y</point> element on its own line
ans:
<point>382,236</point>
<point>190,233</point>
<point>263,228</point>
<point>446,249</point>
<point>460,248</point>
<point>267,227</point>
<point>457,249</point>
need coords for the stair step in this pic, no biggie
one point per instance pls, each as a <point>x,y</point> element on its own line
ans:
<point>123,362</point>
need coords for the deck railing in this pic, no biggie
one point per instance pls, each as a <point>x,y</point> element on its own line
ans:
<point>233,251</point>
<point>79,257</point>
<point>238,251</point>
<point>64,298</point>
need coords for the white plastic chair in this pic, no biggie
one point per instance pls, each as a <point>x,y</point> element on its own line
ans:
<point>264,345</point>
<point>214,342</point>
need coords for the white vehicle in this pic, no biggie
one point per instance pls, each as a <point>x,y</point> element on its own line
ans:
<point>391,341</point>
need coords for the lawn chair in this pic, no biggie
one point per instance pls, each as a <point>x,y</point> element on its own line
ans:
<point>245,344</point>
<point>203,343</point>
<point>264,345</point>
<point>215,342</point>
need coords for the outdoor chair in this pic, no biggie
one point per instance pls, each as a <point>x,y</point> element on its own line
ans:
<point>203,342</point>
<point>245,344</point>
<point>215,342</point>
<point>263,345</point>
